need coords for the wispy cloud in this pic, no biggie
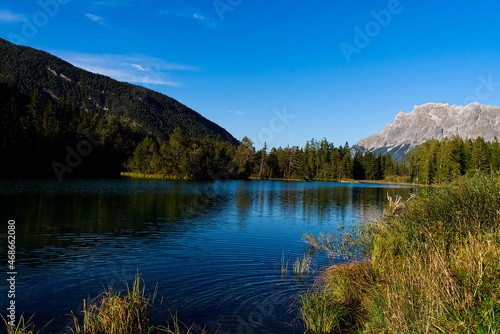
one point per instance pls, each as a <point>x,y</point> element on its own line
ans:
<point>109,3</point>
<point>137,69</point>
<point>237,112</point>
<point>7,16</point>
<point>190,13</point>
<point>96,19</point>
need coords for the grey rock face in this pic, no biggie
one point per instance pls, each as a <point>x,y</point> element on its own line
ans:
<point>433,120</point>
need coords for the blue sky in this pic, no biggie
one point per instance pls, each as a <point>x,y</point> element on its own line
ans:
<point>276,71</point>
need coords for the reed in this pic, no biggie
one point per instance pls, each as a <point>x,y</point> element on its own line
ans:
<point>177,327</point>
<point>434,267</point>
<point>302,265</point>
<point>284,264</point>
<point>117,313</point>
<point>23,326</point>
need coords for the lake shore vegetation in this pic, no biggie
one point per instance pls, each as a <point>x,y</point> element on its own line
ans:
<point>114,312</point>
<point>433,266</point>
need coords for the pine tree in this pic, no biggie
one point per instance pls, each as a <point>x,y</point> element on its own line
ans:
<point>243,157</point>
<point>480,155</point>
<point>263,161</point>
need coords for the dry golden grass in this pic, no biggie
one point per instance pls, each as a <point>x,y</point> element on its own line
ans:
<point>435,268</point>
<point>117,313</point>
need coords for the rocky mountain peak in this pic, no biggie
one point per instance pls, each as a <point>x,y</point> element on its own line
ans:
<point>433,120</point>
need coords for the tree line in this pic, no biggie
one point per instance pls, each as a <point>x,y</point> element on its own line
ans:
<point>438,161</point>
<point>193,158</point>
<point>435,161</point>
<point>37,129</point>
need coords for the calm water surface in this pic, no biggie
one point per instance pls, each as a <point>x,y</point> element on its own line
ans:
<point>212,248</point>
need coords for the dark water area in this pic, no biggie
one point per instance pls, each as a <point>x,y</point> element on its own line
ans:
<point>212,249</point>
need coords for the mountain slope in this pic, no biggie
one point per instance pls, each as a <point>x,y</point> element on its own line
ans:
<point>26,69</point>
<point>433,120</point>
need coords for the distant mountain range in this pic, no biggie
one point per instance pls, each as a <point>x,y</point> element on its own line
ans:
<point>26,69</point>
<point>433,120</point>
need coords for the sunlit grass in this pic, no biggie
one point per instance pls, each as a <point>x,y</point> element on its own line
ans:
<point>434,267</point>
<point>23,326</point>
<point>302,265</point>
<point>117,313</point>
<point>112,312</point>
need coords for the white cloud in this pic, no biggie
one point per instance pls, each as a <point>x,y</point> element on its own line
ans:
<point>7,16</point>
<point>237,112</point>
<point>190,13</point>
<point>199,16</point>
<point>96,18</point>
<point>137,69</point>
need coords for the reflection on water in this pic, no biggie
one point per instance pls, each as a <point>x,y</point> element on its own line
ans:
<point>213,248</point>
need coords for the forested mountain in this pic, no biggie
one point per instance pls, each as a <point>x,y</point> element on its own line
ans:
<point>39,137</point>
<point>25,70</point>
<point>433,121</point>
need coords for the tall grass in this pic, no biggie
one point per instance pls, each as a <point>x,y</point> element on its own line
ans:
<point>284,264</point>
<point>114,312</point>
<point>23,326</point>
<point>117,313</point>
<point>302,265</point>
<point>351,241</point>
<point>434,268</point>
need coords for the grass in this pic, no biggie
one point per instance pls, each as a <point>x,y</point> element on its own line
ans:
<point>351,241</point>
<point>124,313</point>
<point>117,313</point>
<point>397,179</point>
<point>302,266</point>
<point>284,264</point>
<point>177,327</point>
<point>336,304</point>
<point>114,312</point>
<point>23,326</point>
<point>434,267</point>
<point>152,176</point>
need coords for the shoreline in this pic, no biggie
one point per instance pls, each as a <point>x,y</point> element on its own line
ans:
<point>431,263</point>
<point>252,178</point>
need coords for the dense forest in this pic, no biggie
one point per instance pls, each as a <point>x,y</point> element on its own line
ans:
<point>435,161</point>
<point>42,138</point>
<point>25,70</point>
<point>318,160</point>
<point>438,161</point>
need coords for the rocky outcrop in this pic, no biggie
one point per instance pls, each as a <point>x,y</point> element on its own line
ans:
<point>433,120</point>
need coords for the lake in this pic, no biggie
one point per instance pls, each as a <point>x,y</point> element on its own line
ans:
<point>213,248</point>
